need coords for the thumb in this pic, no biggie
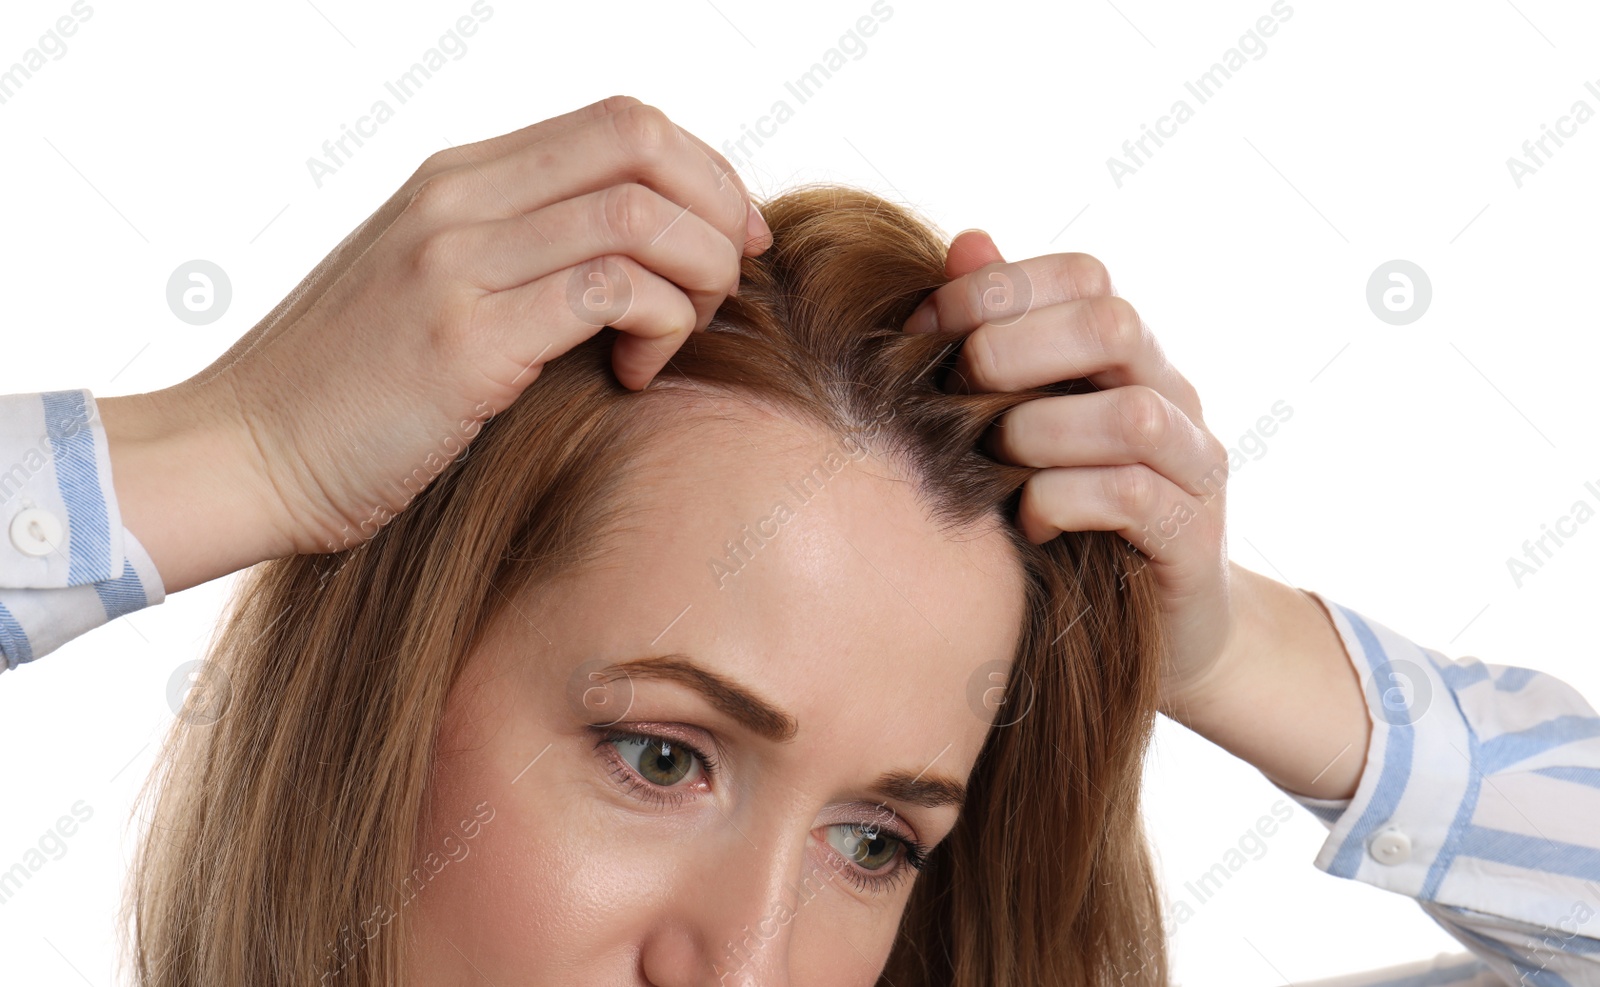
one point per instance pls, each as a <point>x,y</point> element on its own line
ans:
<point>970,250</point>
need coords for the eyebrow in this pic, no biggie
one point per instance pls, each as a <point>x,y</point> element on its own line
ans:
<point>767,720</point>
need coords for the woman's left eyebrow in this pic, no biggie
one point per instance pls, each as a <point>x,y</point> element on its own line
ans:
<point>919,790</point>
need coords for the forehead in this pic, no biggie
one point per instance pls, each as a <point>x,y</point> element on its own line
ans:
<point>804,566</point>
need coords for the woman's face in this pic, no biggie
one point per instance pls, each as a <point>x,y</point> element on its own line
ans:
<point>740,803</point>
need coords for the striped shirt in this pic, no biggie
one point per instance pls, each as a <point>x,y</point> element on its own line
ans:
<point>67,565</point>
<point>1480,795</point>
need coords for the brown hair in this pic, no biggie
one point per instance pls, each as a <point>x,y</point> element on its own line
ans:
<point>282,827</point>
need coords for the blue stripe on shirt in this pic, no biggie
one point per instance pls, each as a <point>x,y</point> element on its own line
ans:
<point>1580,776</point>
<point>1509,748</point>
<point>77,476</point>
<point>1397,757</point>
<point>1514,678</point>
<point>1468,806</point>
<point>1532,852</point>
<point>123,595</point>
<point>1458,677</point>
<point>13,641</point>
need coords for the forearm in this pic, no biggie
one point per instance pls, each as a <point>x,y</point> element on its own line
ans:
<point>183,483</point>
<point>1287,699</point>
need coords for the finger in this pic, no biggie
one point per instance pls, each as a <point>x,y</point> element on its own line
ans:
<point>479,152</point>
<point>637,144</point>
<point>653,313</point>
<point>356,243</point>
<point>1003,291</point>
<point>759,233</point>
<point>970,250</point>
<point>1119,427</point>
<point>1101,339</point>
<point>625,219</point>
<point>1165,523</point>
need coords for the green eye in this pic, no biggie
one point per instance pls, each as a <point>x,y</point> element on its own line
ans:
<point>865,847</point>
<point>658,760</point>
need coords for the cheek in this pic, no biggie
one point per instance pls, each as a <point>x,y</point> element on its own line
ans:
<point>557,889</point>
<point>518,899</point>
<point>538,898</point>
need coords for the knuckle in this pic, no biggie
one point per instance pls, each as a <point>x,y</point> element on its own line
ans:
<point>1216,477</point>
<point>968,303</point>
<point>1191,396</point>
<point>1216,452</point>
<point>627,212</point>
<point>1133,489</point>
<point>1146,415</point>
<point>645,131</point>
<point>982,360</point>
<point>433,164</point>
<point>1088,275</point>
<point>616,104</point>
<point>449,333</point>
<point>437,253</point>
<point>436,195</point>
<point>1117,328</point>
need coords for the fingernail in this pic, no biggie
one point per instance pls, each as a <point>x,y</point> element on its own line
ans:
<point>755,224</point>
<point>924,319</point>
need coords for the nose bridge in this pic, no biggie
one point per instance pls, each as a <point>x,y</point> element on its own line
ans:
<point>756,890</point>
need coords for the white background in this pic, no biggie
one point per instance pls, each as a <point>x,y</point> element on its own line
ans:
<point>1417,460</point>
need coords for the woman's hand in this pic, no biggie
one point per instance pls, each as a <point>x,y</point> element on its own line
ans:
<point>434,314</point>
<point>1252,664</point>
<point>1133,456</point>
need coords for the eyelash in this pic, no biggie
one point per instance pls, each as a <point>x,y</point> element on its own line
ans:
<point>913,856</point>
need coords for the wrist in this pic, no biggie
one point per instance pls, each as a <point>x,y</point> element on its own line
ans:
<point>185,482</point>
<point>1285,696</point>
<point>1248,634</point>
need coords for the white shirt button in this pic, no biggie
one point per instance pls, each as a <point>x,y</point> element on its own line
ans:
<point>36,532</point>
<point>1390,847</point>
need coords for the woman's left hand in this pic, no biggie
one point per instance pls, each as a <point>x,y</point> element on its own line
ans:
<point>1133,457</point>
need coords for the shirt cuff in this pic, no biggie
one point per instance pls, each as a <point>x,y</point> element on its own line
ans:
<point>67,565</point>
<point>35,622</point>
<point>59,522</point>
<point>1466,798</point>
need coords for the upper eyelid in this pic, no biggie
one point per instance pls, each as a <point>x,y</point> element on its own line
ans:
<point>618,731</point>
<point>877,883</point>
<point>893,824</point>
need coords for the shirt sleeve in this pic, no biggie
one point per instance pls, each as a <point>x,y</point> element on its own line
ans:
<point>67,565</point>
<point>1480,798</point>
